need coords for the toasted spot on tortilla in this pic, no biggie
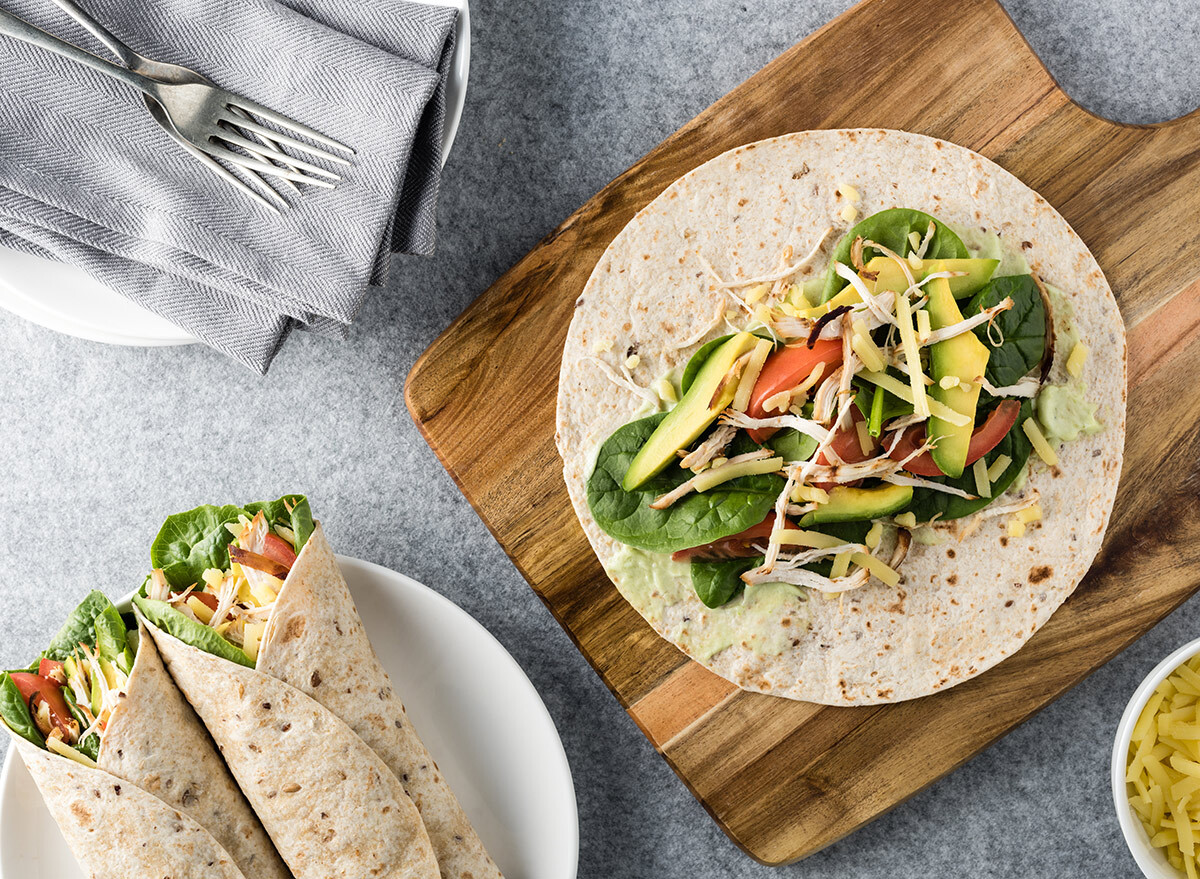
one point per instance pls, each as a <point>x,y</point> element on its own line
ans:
<point>1004,541</point>
<point>295,628</point>
<point>81,813</point>
<point>952,579</point>
<point>1039,573</point>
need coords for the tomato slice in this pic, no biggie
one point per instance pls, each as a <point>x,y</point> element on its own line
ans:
<point>35,686</point>
<point>736,546</point>
<point>279,550</point>
<point>984,438</point>
<point>784,369</point>
<point>847,447</point>
<point>46,666</point>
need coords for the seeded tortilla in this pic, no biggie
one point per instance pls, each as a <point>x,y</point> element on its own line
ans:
<point>155,742</point>
<point>961,606</point>
<point>316,642</point>
<point>116,830</point>
<point>332,807</point>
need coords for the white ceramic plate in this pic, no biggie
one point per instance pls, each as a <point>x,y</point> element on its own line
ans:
<point>477,712</point>
<point>68,300</point>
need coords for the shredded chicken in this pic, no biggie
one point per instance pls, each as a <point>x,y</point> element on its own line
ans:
<point>923,247</point>
<point>918,482</point>
<point>710,448</point>
<point>1026,387</point>
<point>964,326</point>
<point>803,425</point>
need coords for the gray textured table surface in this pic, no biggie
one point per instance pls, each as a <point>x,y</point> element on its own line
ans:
<point>98,443</point>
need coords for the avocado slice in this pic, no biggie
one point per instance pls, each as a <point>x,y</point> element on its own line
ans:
<point>978,273</point>
<point>700,406</point>
<point>964,357</point>
<point>847,504</point>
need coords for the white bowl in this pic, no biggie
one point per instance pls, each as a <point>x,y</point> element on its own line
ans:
<point>1152,860</point>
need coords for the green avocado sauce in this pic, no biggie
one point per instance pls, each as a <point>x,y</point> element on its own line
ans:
<point>651,582</point>
<point>1062,409</point>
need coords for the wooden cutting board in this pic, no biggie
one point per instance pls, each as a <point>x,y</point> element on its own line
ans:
<point>785,779</point>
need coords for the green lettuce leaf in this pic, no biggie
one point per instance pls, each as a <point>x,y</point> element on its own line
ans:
<point>189,543</point>
<point>189,631</point>
<point>79,626</point>
<point>299,518</point>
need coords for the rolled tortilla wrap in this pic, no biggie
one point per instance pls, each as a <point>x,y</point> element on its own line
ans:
<point>118,831</point>
<point>157,742</point>
<point>315,641</point>
<point>333,808</point>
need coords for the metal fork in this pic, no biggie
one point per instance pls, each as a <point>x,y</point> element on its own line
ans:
<point>207,117</point>
<point>176,73</point>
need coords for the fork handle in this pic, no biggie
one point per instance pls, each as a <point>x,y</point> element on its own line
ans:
<point>26,32</point>
<point>100,32</point>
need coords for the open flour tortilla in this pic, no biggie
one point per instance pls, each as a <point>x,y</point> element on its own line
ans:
<point>961,607</point>
<point>330,804</point>
<point>316,642</point>
<point>118,831</point>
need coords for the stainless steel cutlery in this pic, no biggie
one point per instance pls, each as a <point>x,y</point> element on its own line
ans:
<point>214,125</point>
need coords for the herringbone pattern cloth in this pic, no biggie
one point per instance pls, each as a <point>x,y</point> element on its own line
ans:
<point>87,177</point>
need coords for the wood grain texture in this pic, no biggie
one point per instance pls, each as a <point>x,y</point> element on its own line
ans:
<point>785,779</point>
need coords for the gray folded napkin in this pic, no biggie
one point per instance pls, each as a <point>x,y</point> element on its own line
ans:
<point>86,176</point>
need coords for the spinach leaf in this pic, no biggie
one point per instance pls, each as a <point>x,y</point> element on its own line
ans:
<point>189,631</point>
<point>696,519</point>
<point>792,445</point>
<point>891,229</point>
<point>1023,327</point>
<point>189,543</point>
<point>927,503</point>
<point>717,581</point>
<point>298,518</point>
<point>79,626</point>
<point>15,712</point>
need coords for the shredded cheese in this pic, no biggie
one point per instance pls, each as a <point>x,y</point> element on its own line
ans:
<point>983,485</point>
<point>924,328</point>
<point>864,437</point>
<point>1039,442</point>
<point>866,349</point>
<point>1032,514</point>
<point>1076,359</point>
<point>754,294</point>
<point>798,537</point>
<point>633,361</point>
<point>810,493</point>
<point>666,391</point>
<point>904,392</point>
<point>741,399</point>
<point>727,471</point>
<point>880,571</point>
<point>849,213</point>
<point>998,467</point>
<point>907,520</point>
<point>874,536</point>
<point>1016,528</point>
<point>912,354</point>
<point>841,564</point>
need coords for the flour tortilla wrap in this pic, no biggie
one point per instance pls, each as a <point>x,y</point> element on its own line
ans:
<point>332,807</point>
<point>151,740</point>
<point>316,642</point>
<point>157,742</point>
<point>118,831</point>
<point>961,607</point>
